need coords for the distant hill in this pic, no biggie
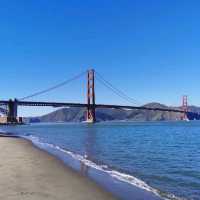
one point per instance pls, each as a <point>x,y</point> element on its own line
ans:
<point>78,114</point>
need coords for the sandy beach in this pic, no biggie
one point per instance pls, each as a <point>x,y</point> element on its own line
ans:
<point>29,173</point>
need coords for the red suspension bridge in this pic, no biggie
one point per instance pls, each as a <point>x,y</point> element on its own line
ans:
<point>9,108</point>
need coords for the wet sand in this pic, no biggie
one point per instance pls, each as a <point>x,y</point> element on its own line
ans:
<point>29,173</point>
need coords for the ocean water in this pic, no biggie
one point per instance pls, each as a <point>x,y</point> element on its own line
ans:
<point>162,158</point>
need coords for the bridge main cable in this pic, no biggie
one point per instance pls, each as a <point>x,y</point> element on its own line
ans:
<point>118,92</point>
<point>53,87</point>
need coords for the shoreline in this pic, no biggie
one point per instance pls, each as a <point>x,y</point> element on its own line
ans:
<point>29,173</point>
<point>109,188</point>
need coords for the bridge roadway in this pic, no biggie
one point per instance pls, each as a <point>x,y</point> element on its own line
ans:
<point>63,104</point>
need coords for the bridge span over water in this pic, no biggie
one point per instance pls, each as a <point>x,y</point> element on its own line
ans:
<point>12,105</point>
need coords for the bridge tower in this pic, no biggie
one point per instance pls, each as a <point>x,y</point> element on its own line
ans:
<point>91,118</point>
<point>184,107</point>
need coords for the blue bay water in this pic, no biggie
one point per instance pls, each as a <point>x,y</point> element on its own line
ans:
<point>165,155</point>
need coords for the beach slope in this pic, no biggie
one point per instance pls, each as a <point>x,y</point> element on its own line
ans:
<point>29,173</point>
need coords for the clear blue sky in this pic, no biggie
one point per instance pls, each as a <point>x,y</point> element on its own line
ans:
<point>150,49</point>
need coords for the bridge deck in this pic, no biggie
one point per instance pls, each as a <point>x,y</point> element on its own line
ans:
<point>63,104</point>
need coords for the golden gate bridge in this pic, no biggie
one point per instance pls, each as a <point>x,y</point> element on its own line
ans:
<point>9,108</point>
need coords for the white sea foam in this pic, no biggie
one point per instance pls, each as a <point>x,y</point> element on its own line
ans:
<point>2,131</point>
<point>129,179</point>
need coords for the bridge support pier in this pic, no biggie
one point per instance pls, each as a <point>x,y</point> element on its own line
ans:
<point>12,111</point>
<point>91,117</point>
